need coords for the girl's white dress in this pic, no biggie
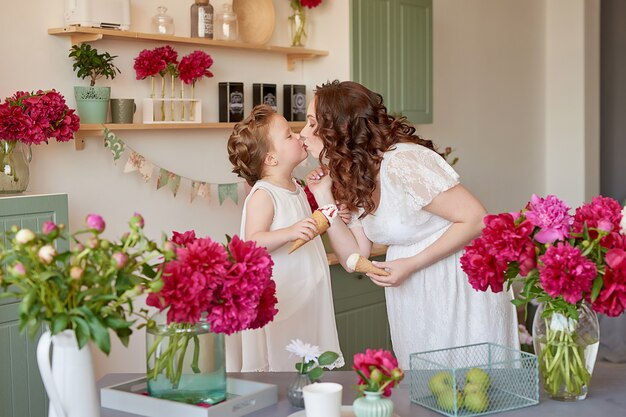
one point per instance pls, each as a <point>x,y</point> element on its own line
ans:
<point>303,289</point>
<point>435,307</point>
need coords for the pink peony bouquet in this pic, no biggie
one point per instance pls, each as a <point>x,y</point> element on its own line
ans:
<point>563,260</point>
<point>230,287</point>
<point>299,4</point>
<point>377,371</point>
<point>195,66</point>
<point>33,118</point>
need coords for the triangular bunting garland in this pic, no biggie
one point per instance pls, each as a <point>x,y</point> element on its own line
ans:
<point>115,144</point>
<point>225,191</point>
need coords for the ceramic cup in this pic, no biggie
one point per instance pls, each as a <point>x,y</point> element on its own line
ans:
<point>122,110</point>
<point>322,399</point>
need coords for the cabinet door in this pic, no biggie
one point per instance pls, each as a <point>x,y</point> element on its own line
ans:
<point>360,313</point>
<point>391,51</point>
<point>21,391</point>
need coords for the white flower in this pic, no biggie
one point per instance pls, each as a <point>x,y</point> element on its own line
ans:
<point>46,253</point>
<point>24,236</point>
<point>304,350</point>
<point>623,222</point>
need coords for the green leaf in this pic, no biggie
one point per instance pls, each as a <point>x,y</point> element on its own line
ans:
<point>327,358</point>
<point>299,366</point>
<point>598,283</point>
<point>59,323</point>
<point>316,373</point>
<point>148,271</point>
<point>83,334</point>
<point>117,322</point>
<point>517,302</point>
<point>124,335</point>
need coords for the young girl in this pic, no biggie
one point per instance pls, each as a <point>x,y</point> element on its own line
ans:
<point>264,151</point>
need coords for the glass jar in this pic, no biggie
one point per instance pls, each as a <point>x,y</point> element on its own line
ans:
<point>202,19</point>
<point>186,363</point>
<point>566,349</point>
<point>294,390</point>
<point>162,23</point>
<point>226,27</point>
<point>14,171</point>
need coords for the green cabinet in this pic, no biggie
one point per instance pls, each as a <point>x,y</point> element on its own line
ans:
<point>391,53</point>
<point>360,313</point>
<point>21,391</point>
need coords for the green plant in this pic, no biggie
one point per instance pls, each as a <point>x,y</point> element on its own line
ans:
<point>313,361</point>
<point>90,63</point>
<point>90,288</point>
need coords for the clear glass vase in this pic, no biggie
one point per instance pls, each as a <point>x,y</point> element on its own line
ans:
<point>373,404</point>
<point>186,363</point>
<point>298,28</point>
<point>14,170</point>
<point>294,390</point>
<point>566,349</point>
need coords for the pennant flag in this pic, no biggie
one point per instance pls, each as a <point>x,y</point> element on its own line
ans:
<point>200,189</point>
<point>225,191</point>
<point>137,162</point>
<point>173,182</point>
<point>163,178</point>
<point>115,144</point>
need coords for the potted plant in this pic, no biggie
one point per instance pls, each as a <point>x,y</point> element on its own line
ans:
<point>92,102</point>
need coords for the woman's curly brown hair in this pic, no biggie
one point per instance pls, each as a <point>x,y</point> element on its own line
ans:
<point>356,130</point>
<point>249,144</point>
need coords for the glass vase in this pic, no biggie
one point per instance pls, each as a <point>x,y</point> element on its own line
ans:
<point>566,348</point>
<point>294,390</point>
<point>186,363</point>
<point>373,404</point>
<point>298,28</point>
<point>14,171</point>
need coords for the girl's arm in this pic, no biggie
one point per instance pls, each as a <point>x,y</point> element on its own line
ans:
<point>259,218</point>
<point>344,240</point>
<point>456,205</point>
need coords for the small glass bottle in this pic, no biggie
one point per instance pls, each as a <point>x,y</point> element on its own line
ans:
<point>162,23</point>
<point>202,19</point>
<point>226,24</point>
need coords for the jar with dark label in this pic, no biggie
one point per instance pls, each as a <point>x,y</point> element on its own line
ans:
<point>202,19</point>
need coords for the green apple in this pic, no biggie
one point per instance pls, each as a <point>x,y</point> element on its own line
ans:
<point>472,387</point>
<point>478,376</point>
<point>477,402</point>
<point>440,382</point>
<point>445,400</point>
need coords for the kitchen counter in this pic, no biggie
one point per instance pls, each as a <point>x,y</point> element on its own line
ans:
<point>607,395</point>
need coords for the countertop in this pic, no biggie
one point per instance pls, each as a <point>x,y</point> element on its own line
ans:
<point>607,395</point>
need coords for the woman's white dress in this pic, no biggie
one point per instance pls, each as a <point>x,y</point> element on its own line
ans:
<point>303,289</point>
<point>435,307</point>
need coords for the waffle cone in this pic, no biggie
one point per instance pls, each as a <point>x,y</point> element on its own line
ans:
<point>364,265</point>
<point>322,224</point>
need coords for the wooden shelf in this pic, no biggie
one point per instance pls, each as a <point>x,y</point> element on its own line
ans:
<point>97,130</point>
<point>79,34</point>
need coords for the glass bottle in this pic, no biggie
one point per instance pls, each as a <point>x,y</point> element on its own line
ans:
<point>162,23</point>
<point>226,24</point>
<point>202,19</point>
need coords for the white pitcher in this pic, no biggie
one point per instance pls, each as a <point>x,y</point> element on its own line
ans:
<point>70,381</point>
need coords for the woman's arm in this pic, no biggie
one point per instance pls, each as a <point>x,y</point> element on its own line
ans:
<point>344,240</point>
<point>456,205</point>
<point>259,218</point>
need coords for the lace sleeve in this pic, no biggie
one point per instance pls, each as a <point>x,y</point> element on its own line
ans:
<point>421,175</point>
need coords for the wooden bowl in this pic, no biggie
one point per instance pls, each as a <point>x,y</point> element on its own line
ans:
<point>256,20</point>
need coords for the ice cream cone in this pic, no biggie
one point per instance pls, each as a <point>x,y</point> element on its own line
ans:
<point>364,265</point>
<point>322,225</point>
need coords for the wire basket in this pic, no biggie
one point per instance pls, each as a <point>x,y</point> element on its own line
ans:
<point>486,378</point>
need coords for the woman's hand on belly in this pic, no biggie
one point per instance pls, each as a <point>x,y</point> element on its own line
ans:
<point>399,270</point>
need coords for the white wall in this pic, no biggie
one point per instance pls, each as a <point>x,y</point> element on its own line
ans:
<point>490,65</point>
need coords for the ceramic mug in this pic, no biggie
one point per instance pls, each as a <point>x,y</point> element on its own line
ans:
<point>122,110</point>
<point>322,399</point>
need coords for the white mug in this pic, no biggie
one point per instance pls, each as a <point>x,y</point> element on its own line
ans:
<point>322,399</point>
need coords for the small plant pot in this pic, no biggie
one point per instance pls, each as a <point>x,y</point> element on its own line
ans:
<point>92,103</point>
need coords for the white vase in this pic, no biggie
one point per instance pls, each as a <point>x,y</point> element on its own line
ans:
<point>69,380</point>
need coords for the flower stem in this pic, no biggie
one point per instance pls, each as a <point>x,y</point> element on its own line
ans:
<point>162,98</point>
<point>182,96</point>
<point>173,96</point>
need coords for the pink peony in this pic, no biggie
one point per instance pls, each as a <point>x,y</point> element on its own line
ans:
<point>182,239</point>
<point>49,227</point>
<point>566,272</point>
<point>482,268</point>
<point>195,66</point>
<point>509,242</point>
<point>598,213</point>
<point>310,3</point>
<point>552,216</point>
<point>167,54</point>
<point>120,260</point>
<point>95,222</point>
<point>266,310</point>
<point>148,64</point>
<point>612,298</point>
<point>379,359</point>
<point>137,221</point>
